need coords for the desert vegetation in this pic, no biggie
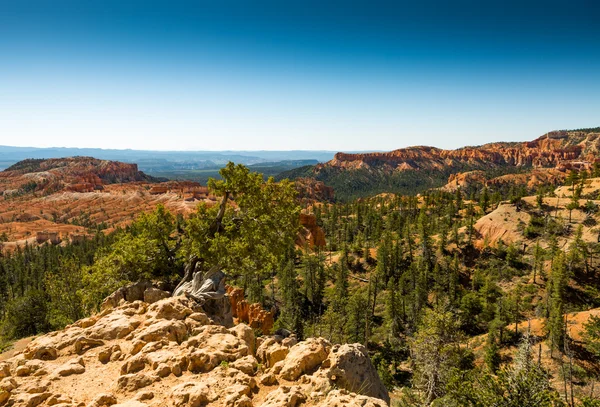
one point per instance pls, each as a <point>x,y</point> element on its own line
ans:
<point>485,299</point>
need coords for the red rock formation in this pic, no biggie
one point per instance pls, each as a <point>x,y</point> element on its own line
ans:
<point>311,190</point>
<point>311,233</point>
<point>531,179</point>
<point>81,187</point>
<point>159,189</point>
<point>74,174</point>
<point>188,189</point>
<point>464,180</point>
<point>553,150</point>
<point>42,237</point>
<point>252,314</point>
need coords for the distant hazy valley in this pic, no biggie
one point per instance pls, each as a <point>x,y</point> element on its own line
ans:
<point>178,165</point>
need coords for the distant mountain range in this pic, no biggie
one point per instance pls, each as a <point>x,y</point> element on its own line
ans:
<point>415,169</point>
<point>178,165</point>
<point>10,155</point>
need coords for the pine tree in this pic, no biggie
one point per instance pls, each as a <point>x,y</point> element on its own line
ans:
<point>290,311</point>
<point>484,200</point>
<point>492,355</point>
<point>558,283</point>
<point>435,351</point>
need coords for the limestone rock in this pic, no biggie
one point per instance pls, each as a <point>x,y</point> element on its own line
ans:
<point>268,379</point>
<point>115,325</point>
<point>131,403</point>
<point>134,381</point>
<point>351,369</point>
<point>8,384</point>
<point>4,370</point>
<point>103,400</point>
<point>58,400</point>
<point>109,353</point>
<point>311,235</point>
<point>152,295</point>
<point>271,351</point>
<point>144,353</point>
<point>73,366</point>
<point>285,397</point>
<point>82,344</point>
<point>190,394</point>
<point>32,400</point>
<point>209,349</point>
<point>304,357</point>
<point>4,396</point>
<point>245,333</point>
<point>28,368</point>
<point>171,308</point>
<point>243,401</point>
<point>342,398</point>
<point>40,351</point>
<point>171,330</point>
<point>247,364</point>
<point>144,395</point>
<point>130,293</point>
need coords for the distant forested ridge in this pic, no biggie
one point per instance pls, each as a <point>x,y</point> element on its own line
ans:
<point>413,170</point>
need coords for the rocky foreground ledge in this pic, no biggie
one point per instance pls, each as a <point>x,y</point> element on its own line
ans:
<point>171,353</point>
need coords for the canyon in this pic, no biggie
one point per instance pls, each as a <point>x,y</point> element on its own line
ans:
<point>416,169</point>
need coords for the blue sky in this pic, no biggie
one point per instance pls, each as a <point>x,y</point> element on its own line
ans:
<point>256,75</point>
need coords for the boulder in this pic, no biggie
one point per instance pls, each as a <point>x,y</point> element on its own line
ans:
<point>130,293</point>
<point>247,364</point>
<point>8,384</point>
<point>343,398</point>
<point>73,366</point>
<point>304,357</point>
<point>171,308</point>
<point>144,395</point>
<point>28,368</point>
<point>58,400</point>
<point>285,396</point>
<point>190,394</point>
<point>271,351</point>
<point>4,370</point>
<point>245,333</point>
<point>171,330</point>
<point>103,400</point>
<point>134,364</point>
<point>109,353</point>
<point>350,368</point>
<point>212,347</point>
<point>131,403</point>
<point>4,396</point>
<point>115,325</point>
<point>41,351</point>
<point>82,344</point>
<point>32,400</point>
<point>152,295</point>
<point>134,381</point>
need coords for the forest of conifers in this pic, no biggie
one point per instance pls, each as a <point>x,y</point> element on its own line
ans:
<point>400,274</point>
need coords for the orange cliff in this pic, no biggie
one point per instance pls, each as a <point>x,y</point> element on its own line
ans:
<point>311,190</point>
<point>252,314</point>
<point>559,149</point>
<point>72,174</point>
<point>311,234</point>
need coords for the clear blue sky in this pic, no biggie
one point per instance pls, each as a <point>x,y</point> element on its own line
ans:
<point>252,75</point>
